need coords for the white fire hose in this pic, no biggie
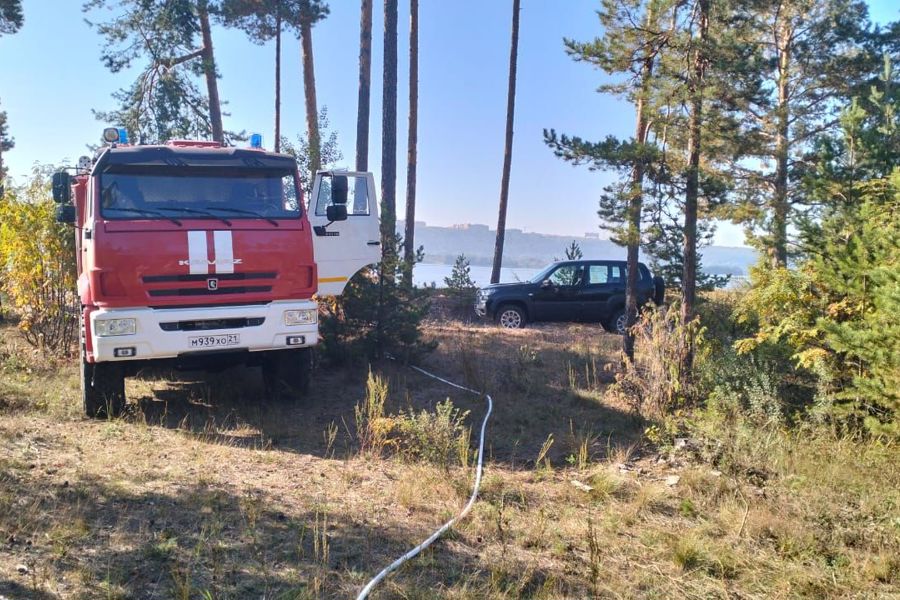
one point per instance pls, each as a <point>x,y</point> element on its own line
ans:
<point>437,534</point>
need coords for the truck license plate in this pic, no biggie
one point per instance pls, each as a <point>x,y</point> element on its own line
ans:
<point>215,341</point>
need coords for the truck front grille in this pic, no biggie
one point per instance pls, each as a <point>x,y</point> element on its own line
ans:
<point>211,324</point>
<point>219,276</point>
<point>243,289</point>
<point>202,284</point>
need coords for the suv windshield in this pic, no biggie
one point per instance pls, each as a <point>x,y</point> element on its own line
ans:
<point>159,193</point>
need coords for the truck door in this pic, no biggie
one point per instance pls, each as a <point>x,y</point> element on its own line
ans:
<point>343,247</point>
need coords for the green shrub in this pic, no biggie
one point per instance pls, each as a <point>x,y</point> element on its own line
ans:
<point>438,437</point>
<point>653,385</point>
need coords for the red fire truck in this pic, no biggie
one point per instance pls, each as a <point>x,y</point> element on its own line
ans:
<point>199,256</point>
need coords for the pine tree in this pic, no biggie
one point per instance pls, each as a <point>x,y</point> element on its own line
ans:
<point>329,153</point>
<point>508,146</point>
<point>573,251</point>
<point>164,100</point>
<point>814,54</point>
<point>11,16</point>
<point>460,278</point>
<point>409,238</point>
<point>377,315</point>
<point>265,20</point>
<point>365,85</point>
<point>389,133</point>
<point>7,143</point>
<point>309,13</point>
<point>837,310</point>
<point>633,40</point>
<point>663,245</point>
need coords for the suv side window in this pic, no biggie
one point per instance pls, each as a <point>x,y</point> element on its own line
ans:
<point>567,275</point>
<point>617,274</point>
<point>598,274</point>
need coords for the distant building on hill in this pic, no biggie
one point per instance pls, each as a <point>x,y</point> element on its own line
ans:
<point>471,227</point>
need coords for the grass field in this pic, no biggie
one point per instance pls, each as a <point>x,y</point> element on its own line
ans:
<point>203,491</point>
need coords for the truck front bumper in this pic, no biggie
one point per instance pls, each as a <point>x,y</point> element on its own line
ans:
<point>174,332</point>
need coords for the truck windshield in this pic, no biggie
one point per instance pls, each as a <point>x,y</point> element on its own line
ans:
<point>197,193</point>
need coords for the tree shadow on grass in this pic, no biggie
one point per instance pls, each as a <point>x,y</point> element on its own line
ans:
<point>547,389</point>
<point>88,539</point>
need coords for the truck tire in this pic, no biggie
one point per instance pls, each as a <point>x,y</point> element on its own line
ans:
<point>286,374</point>
<point>511,316</point>
<point>102,389</point>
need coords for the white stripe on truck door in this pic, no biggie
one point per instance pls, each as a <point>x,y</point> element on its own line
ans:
<point>224,251</point>
<point>197,255</point>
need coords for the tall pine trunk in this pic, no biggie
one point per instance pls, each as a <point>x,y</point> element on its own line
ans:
<point>389,132</point>
<point>309,92</point>
<point>409,244</point>
<point>635,208</point>
<point>782,152</point>
<point>209,70</point>
<point>507,151</point>
<point>388,164</point>
<point>365,85</point>
<point>692,192</point>
<point>278,77</point>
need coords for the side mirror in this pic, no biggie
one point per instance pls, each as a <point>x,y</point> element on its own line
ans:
<point>61,187</point>
<point>546,284</point>
<point>336,212</point>
<point>339,190</point>
<point>65,213</point>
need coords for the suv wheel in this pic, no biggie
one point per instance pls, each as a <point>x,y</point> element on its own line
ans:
<point>102,389</point>
<point>511,317</point>
<point>286,374</point>
<point>618,323</point>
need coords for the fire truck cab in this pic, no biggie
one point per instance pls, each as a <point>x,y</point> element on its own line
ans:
<point>195,255</point>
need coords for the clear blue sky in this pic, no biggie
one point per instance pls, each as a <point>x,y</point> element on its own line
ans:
<point>51,78</point>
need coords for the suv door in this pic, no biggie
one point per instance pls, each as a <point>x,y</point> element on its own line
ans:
<point>596,293</point>
<point>343,248</point>
<point>557,297</point>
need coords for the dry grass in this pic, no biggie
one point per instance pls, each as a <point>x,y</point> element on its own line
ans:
<point>201,491</point>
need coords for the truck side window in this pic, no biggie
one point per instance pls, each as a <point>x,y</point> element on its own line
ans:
<point>358,203</point>
<point>357,196</point>
<point>289,193</point>
<point>324,197</point>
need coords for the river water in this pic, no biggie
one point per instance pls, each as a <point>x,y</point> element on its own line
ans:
<point>425,274</point>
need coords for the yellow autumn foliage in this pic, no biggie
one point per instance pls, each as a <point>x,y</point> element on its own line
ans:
<point>37,266</point>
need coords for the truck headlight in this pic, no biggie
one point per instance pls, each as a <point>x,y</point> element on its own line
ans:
<point>110,327</point>
<point>303,316</point>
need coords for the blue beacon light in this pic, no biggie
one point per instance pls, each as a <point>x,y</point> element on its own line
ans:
<point>123,135</point>
<point>256,141</point>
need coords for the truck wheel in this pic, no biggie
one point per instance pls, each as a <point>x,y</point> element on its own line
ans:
<point>102,389</point>
<point>511,316</point>
<point>286,374</point>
